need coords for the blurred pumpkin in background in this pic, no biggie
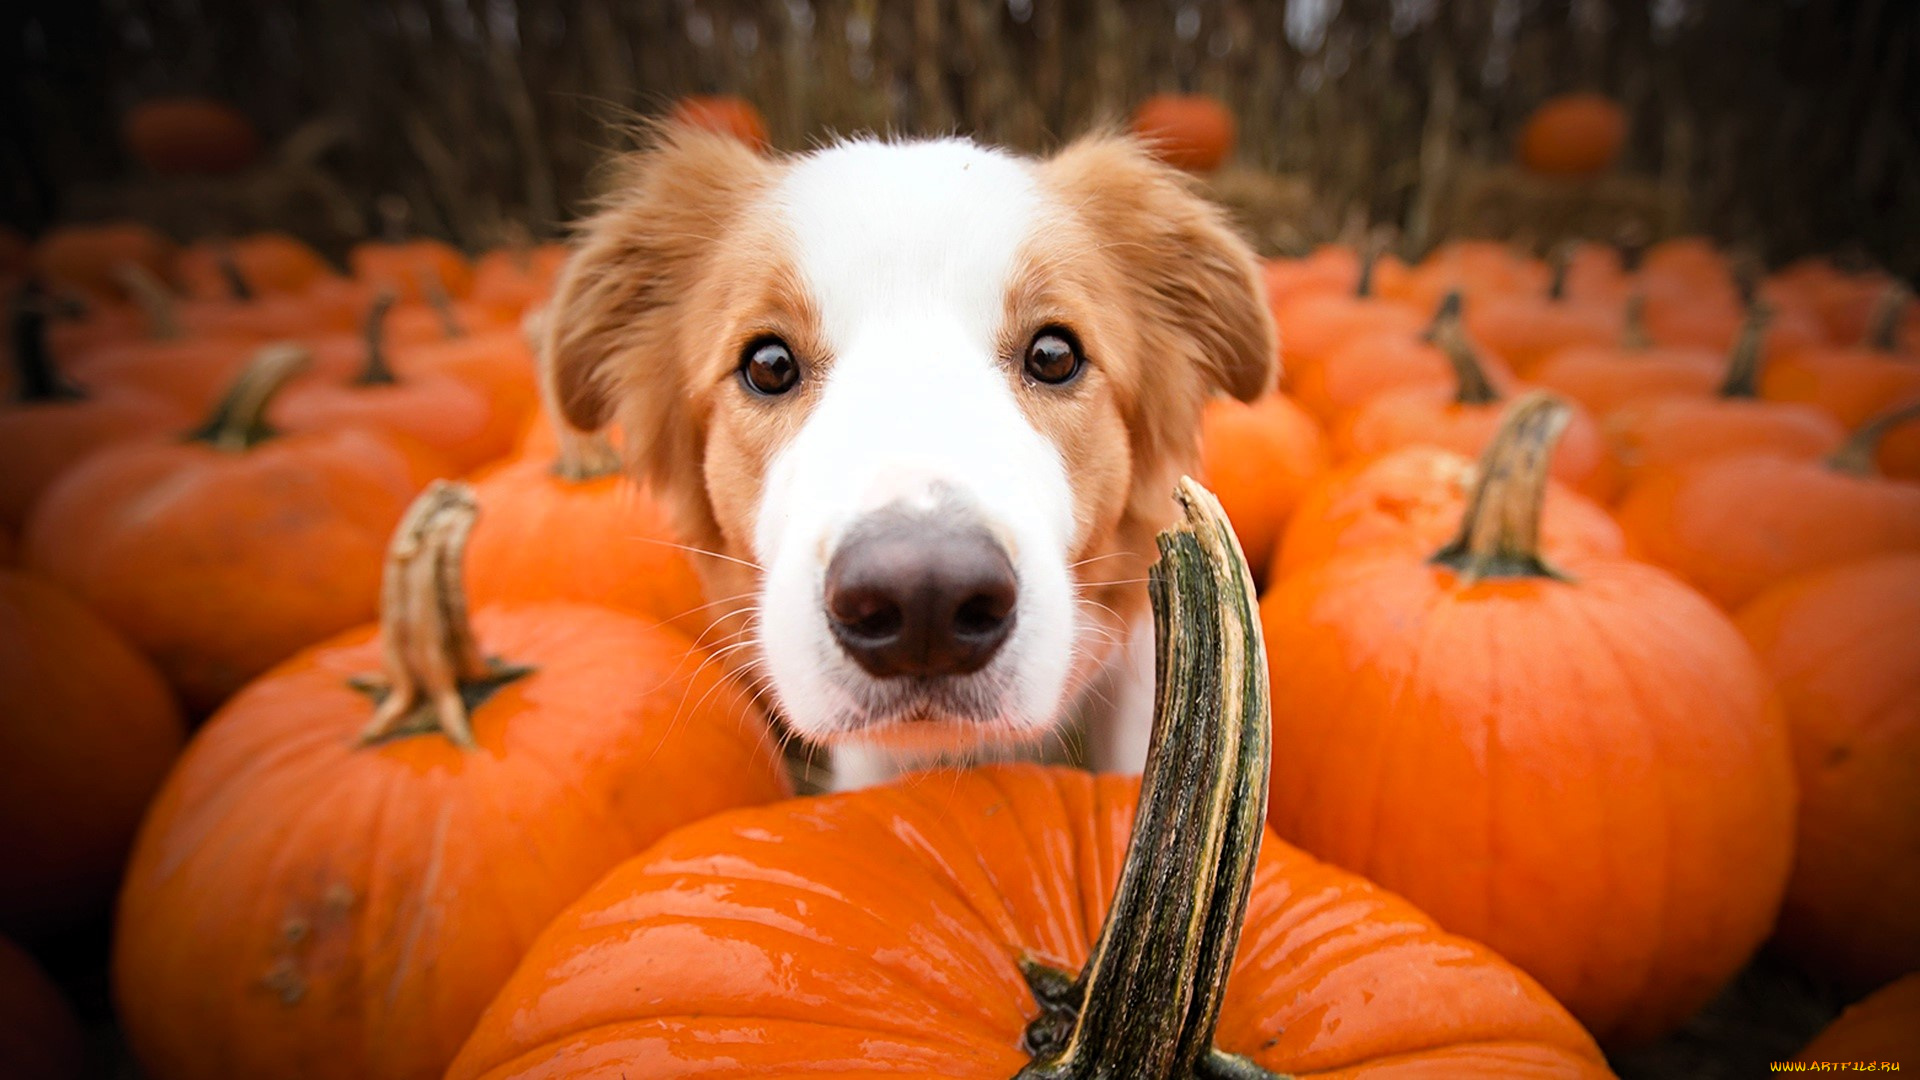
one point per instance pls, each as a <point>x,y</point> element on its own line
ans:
<point>222,553</point>
<point>1840,645</point>
<point>190,136</point>
<point>87,259</point>
<point>1257,459</point>
<point>1885,1027</point>
<point>88,729</point>
<point>1733,525</point>
<point>1187,131</point>
<point>1573,135</point>
<point>40,1039</point>
<point>724,114</point>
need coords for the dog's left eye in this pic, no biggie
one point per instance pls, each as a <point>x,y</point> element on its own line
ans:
<point>1053,357</point>
<point>768,367</point>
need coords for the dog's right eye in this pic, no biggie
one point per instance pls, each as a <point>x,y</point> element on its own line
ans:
<point>768,368</point>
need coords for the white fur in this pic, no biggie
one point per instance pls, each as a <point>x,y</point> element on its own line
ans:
<point>907,252</point>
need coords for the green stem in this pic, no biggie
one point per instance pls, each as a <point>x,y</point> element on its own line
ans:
<point>36,377</point>
<point>433,673</point>
<point>376,371</point>
<point>1500,532</point>
<point>1743,366</point>
<point>1148,1000</point>
<point>1857,454</point>
<point>239,421</point>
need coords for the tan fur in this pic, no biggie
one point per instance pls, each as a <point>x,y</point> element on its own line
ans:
<point>676,274</point>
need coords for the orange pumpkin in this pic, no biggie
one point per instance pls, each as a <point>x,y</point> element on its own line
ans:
<point>932,928</point>
<point>1852,384</point>
<point>1573,135</point>
<point>511,280</point>
<point>1314,324</point>
<point>460,423</point>
<point>498,363</point>
<point>1650,434</point>
<point>249,267</point>
<point>413,270</point>
<point>1606,378</point>
<point>1884,1028</point>
<point>1187,131</point>
<point>1476,269</point>
<point>87,730</point>
<point>1258,459</point>
<point>575,529</point>
<point>725,114</point>
<point>354,852</point>
<point>88,258</point>
<point>1839,645</point>
<point>1735,525</point>
<point>1411,500</point>
<point>1371,364</point>
<point>180,136</point>
<point>1463,418</point>
<point>1426,709</point>
<point>39,1037</point>
<point>224,553</point>
<point>52,424</point>
<point>1524,329</point>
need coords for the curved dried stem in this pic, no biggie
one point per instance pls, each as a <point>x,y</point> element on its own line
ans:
<point>1449,335</point>
<point>1743,365</point>
<point>36,377</point>
<point>1633,326</point>
<point>442,304</point>
<point>153,299</point>
<point>1857,454</point>
<point>1148,1000</point>
<point>1500,531</point>
<point>1883,326</point>
<point>239,421</point>
<point>237,284</point>
<point>375,370</point>
<point>433,671</point>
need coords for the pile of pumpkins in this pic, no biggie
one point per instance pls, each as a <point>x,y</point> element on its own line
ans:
<point>1588,589</point>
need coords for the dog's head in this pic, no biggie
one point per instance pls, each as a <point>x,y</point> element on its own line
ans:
<point>925,402</point>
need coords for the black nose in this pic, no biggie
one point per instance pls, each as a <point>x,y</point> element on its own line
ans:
<point>912,595</point>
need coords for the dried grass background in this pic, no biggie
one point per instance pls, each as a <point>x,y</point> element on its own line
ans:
<point>1783,126</point>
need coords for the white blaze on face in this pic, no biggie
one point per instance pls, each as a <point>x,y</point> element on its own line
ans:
<point>907,252</point>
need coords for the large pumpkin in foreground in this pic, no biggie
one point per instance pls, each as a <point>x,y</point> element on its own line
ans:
<point>880,933</point>
<point>1579,765</point>
<point>354,852</point>
<point>934,927</point>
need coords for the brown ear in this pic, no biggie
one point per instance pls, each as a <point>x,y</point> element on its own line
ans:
<point>610,328</point>
<point>1191,273</point>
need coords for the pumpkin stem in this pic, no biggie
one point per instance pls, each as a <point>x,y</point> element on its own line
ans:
<point>377,371</point>
<point>1560,261</point>
<point>1857,454</point>
<point>35,376</point>
<point>1371,249</point>
<point>583,455</point>
<point>442,304</point>
<point>1500,531</point>
<point>434,674</point>
<point>239,421</point>
<point>1148,1000</point>
<point>1883,326</point>
<point>153,299</point>
<point>1448,314</point>
<point>236,280</point>
<point>1633,324</point>
<point>1471,385</point>
<point>1743,367</point>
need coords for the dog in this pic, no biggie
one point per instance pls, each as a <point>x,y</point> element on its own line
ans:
<point>920,406</point>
